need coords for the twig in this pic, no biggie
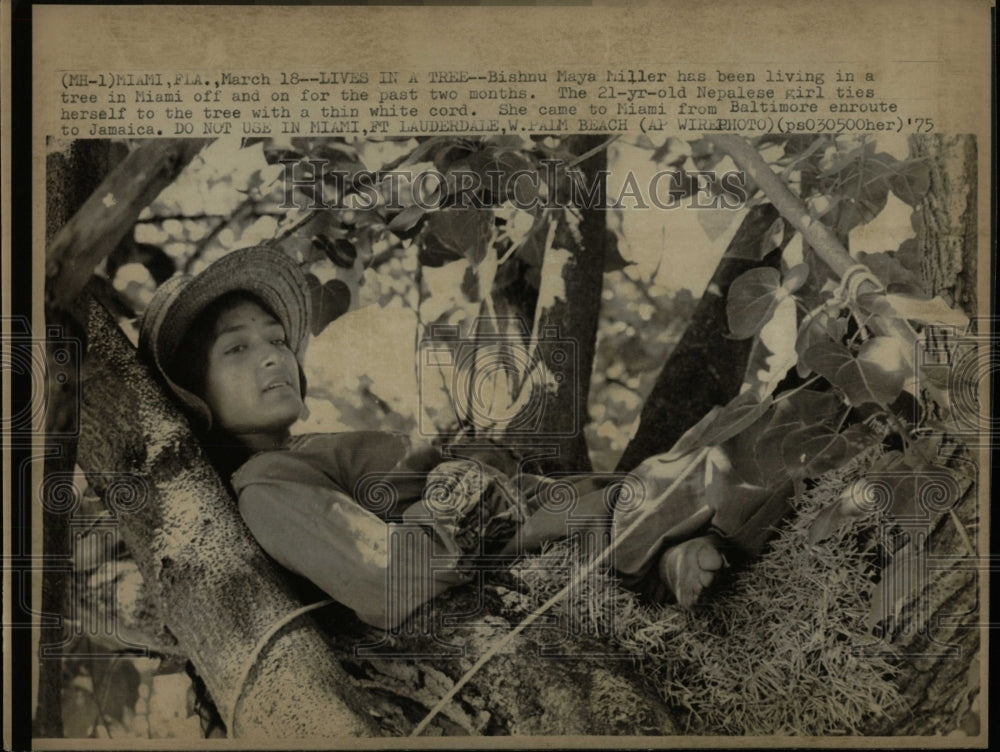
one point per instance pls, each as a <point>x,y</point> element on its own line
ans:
<point>304,220</point>
<point>591,152</point>
<point>199,249</point>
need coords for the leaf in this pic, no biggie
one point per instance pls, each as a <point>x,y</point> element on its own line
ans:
<point>911,181</point>
<point>740,413</point>
<point>876,375</point>
<point>692,438</point>
<point>818,327</point>
<point>643,141</point>
<point>673,151</point>
<point>613,260</point>
<point>345,253</point>
<point>406,219</point>
<point>532,248</point>
<point>510,173</point>
<point>745,243</point>
<point>815,449</point>
<point>329,301</point>
<point>891,272</point>
<point>752,298</point>
<point>462,232</point>
<point>340,251</point>
<point>511,141</point>
<point>716,223</point>
<point>773,237</point>
<point>864,186</point>
<point>862,209</point>
<point>721,424</point>
<point>913,308</point>
<point>801,409</point>
<point>773,352</point>
<point>796,277</point>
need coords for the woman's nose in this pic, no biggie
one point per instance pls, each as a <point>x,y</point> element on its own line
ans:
<point>269,354</point>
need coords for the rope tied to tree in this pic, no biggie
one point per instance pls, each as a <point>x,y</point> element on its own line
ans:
<point>258,649</point>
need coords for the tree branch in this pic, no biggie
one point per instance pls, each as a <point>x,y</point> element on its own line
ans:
<point>814,232</point>
<point>111,210</point>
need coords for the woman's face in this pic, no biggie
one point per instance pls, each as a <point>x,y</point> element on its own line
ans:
<point>252,376</point>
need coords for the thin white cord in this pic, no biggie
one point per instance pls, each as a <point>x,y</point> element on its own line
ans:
<point>262,643</point>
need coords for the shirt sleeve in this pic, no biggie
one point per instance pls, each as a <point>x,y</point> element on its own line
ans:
<point>383,571</point>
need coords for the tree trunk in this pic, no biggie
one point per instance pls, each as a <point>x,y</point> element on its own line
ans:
<point>71,177</point>
<point>940,635</point>
<point>102,212</point>
<point>218,592</point>
<point>937,641</point>
<point>706,364</point>
<point>946,220</point>
<point>573,320</point>
<point>548,681</point>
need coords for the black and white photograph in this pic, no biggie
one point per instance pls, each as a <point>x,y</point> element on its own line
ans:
<point>405,407</point>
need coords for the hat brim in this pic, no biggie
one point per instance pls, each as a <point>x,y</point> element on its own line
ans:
<point>264,272</point>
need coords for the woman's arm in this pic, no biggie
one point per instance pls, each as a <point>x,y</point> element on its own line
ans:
<point>381,570</point>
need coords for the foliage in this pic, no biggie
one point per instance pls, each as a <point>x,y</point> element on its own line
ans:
<point>826,383</point>
<point>475,281</point>
<point>838,327</point>
<point>640,324</point>
<point>395,223</point>
<point>773,651</point>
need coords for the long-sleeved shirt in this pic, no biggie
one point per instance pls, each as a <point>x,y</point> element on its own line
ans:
<point>347,511</point>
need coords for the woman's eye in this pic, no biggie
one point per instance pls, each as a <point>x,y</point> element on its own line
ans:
<point>235,349</point>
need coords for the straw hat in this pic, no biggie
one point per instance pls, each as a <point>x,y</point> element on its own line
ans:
<point>266,273</point>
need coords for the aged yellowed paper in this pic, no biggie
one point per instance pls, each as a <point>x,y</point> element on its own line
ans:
<point>581,375</point>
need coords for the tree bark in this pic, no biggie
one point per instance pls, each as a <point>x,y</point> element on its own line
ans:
<point>573,320</point>
<point>936,641</point>
<point>946,220</point>
<point>218,592</point>
<point>109,212</point>
<point>549,681</point>
<point>939,638</point>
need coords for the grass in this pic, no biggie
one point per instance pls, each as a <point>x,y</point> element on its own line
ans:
<point>774,650</point>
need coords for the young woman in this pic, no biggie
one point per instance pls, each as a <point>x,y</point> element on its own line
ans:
<point>380,525</point>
